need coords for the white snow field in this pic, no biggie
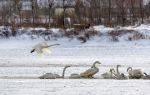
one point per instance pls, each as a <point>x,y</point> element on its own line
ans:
<point>74,87</point>
<point>19,69</point>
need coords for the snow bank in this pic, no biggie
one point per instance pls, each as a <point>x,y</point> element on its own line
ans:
<point>97,33</point>
<point>102,28</point>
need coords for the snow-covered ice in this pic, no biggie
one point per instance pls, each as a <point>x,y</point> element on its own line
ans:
<point>19,68</point>
<point>74,87</point>
<point>17,62</point>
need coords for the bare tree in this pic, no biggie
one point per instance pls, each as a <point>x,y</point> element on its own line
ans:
<point>19,12</point>
<point>132,12</point>
<point>109,12</point>
<point>141,10</point>
<point>33,14</point>
<point>146,10</point>
<point>64,11</point>
<point>50,5</point>
<point>34,7</point>
<point>17,9</point>
<point>79,11</point>
<point>4,14</point>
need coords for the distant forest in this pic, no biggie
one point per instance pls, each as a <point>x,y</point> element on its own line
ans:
<point>66,13</point>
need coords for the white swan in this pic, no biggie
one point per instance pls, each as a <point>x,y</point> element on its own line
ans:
<point>74,75</point>
<point>134,73</point>
<point>109,75</point>
<point>119,75</point>
<point>42,47</point>
<point>90,72</point>
<point>53,76</point>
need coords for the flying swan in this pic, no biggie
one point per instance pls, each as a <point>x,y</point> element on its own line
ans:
<point>42,47</point>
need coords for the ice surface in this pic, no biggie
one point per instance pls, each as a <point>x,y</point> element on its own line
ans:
<point>19,68</point>
<point>74,87</point>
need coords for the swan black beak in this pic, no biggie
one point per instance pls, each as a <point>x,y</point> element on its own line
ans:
<point>32,51</point>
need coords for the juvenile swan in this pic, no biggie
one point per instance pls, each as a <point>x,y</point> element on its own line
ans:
<point>134,73</point>
<point>118,75</point>
<point>74,76</point>
<point>39,48</point>
<point>109,75</point>
<point>53,76</point>
<point>90,72</point>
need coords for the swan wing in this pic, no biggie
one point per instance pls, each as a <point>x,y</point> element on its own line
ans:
<point>137,72</point>
<point>90,72</point>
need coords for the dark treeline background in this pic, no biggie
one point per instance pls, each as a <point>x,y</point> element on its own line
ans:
<point>68,13</point>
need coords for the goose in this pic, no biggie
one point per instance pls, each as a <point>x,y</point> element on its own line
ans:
<point>118,75</point>
<point>53,76</point>
<point>134,73</point>
<point>41,47</point>
<point>109,75</point>
<point>146,76</point>
<point>90,72</point>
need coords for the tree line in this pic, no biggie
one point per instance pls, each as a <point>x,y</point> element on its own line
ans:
<point>94,12</point>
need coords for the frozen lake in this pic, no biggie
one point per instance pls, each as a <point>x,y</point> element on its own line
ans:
<point>73,87</point>
<point>16,63</point>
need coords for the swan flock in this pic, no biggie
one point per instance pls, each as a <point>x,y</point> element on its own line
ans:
<point>89,73</point>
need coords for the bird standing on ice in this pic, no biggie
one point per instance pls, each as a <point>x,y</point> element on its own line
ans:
<point>42,47</point>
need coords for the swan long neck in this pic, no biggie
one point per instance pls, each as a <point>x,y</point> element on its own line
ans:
<point>93,66</point>
<point>129,69</point>
<point>118,69</point>
<point>63,73</point>
<point>96,62</point>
